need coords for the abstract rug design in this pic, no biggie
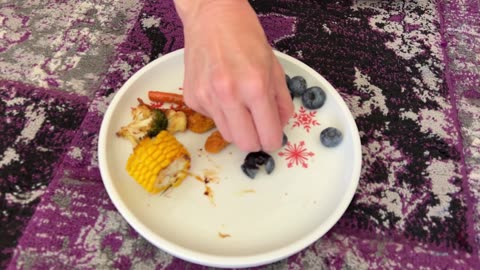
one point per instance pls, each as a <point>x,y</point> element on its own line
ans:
<point>409,72</point>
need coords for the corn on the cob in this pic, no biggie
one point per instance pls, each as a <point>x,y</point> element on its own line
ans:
<point>159,163</point>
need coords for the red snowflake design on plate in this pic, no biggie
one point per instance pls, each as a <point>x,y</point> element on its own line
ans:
<point>296,154</point>
<point>305,118</point>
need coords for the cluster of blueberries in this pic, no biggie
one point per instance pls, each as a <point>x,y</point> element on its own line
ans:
<point>312,98</point>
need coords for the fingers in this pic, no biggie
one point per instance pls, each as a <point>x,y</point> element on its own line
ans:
<point>283,98</point>
<point>242,128</point>
<point>249,114</point>
<point>203,101</point>
<point>220,119</point>
<point>251,111</point>
<point>267,121</point>
<point>228,94</point>
<point>252,127</point>
<point>195,93</point>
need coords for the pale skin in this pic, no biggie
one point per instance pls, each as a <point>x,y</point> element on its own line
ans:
<point>232,74</point>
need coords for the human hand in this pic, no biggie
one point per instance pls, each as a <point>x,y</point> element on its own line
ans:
<point>232,74</point>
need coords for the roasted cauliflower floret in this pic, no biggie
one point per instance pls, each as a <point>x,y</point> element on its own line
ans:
<point>145,122</point>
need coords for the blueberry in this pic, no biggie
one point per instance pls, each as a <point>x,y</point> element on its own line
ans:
<point>287,79</point>
<point>262,158</point>
<point>270,165</point>
<point>253,160</point>
<point>314,98</point>
<point>250,162</point>
<point>250,158</point>
<point>284,139</point>
<point>331,137</point>
<point>297,85</point>
<point>249,171</point>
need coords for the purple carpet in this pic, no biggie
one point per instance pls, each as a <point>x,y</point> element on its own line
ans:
<point>408,70</point>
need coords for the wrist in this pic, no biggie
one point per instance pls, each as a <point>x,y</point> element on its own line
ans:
<point>190,11</point>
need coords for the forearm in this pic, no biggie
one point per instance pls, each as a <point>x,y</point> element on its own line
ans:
<point>190,10</point>
<point>225,21</point>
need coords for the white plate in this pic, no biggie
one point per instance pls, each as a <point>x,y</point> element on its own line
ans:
<point>268,218</point>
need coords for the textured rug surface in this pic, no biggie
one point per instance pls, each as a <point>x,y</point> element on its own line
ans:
<point>408,70</point>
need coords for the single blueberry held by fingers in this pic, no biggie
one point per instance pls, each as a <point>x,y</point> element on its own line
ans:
<point>249,170</point>
<point>270,165</point>
<point>313,98</point>
<point>257,158</point>
<point>297,85</point>
<point>254,160</point>
<point>331,137</point>
<point>250,162</point>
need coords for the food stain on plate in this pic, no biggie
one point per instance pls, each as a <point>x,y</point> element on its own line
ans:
<point>246,191</point>
<point>209,193</point>
<point>209,176</point>
<point>200,152</point>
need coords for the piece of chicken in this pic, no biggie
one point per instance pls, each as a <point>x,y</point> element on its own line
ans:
<point>215,142</point>
<point>199,123</point>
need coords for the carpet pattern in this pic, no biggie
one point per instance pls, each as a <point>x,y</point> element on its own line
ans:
<point>409,71</point>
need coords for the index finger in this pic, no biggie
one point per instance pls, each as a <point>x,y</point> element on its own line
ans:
<point>266,117</point>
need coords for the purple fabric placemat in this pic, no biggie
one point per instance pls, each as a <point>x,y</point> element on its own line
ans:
<point>408,70</point>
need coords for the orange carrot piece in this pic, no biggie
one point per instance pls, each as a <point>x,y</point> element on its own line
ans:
<point>166,97</point>
<point>184,109</point>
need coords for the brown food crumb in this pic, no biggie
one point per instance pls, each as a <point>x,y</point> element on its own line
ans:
<point>210,175</point>
<point>209,193</point>
<point>198,178</point>
<point>223,235</point>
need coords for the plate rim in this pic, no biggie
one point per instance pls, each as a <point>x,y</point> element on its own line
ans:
<point>220,260</point>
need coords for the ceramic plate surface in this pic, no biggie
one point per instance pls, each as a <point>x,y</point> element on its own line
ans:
<point>245,222</point>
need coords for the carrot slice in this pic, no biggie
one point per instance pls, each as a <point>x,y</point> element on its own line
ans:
<point>157,96</point>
